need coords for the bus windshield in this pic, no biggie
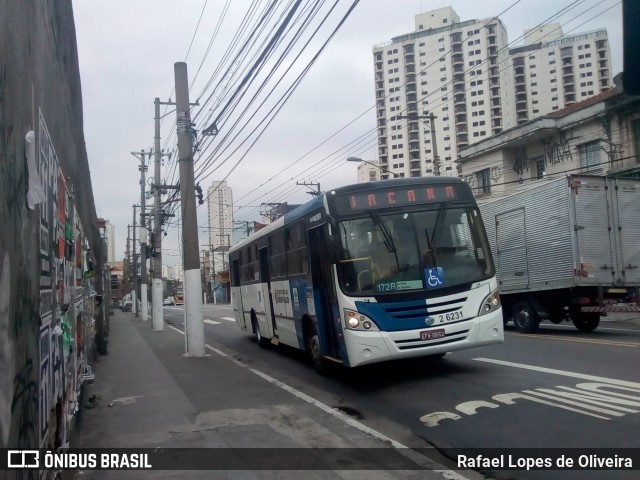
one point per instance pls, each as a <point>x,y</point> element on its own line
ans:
<point>412,250</point>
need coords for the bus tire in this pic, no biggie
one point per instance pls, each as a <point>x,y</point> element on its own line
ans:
<point>525,318</point>
<point>586,321</point>
<point>260,340</point>
<point>318,362</point>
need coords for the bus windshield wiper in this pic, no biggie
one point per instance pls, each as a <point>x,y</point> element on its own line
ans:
<point>388,239</point>
<point>437,227</point>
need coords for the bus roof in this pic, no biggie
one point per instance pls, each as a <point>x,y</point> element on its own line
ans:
<point>319,201</point>
<point>287,218</point>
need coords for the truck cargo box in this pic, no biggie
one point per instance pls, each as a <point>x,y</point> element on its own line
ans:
<point>577,234</point>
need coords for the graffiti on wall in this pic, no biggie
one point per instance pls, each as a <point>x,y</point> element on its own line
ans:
<point>6,349</point>
<point>65,322</point>
<point>25,405</point>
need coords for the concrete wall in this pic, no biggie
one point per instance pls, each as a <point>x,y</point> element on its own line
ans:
<point>51,251</point>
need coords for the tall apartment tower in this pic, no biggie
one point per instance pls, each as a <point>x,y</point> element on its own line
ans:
<point>464,75</point>
<point>220,206</point>
<point>552,71</point>
<point>110,238</point>
<point>445,68</point>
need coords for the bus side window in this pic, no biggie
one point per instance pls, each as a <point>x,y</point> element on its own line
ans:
<point>297,250</point>
<point>235,272</point>
<point>277,256</point>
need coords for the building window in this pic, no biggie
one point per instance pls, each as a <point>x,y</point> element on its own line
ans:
<point>483,179</point>
<point>590,153</point>
<point>539,163</point>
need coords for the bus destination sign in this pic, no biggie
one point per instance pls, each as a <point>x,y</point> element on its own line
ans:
<point>395,197</point>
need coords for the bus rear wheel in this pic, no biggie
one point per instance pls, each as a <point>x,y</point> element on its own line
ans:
<point>260,340</point>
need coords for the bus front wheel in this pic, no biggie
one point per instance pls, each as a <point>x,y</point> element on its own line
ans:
<point>313,347</point>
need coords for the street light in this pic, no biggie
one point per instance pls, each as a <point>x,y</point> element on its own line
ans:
<point>432,126</point>
<point>384,169</point>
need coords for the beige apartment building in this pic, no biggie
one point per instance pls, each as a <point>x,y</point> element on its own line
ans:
<point>552,71</point>
<point>220,215</point>
<point>451,83</point>
<point>368,171</point>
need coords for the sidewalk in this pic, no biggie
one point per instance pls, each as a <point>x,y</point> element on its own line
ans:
<point>149,395</point>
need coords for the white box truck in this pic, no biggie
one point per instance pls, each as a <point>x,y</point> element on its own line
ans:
<point>567,249</point>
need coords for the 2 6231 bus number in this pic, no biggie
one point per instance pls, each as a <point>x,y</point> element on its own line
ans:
<point>457,315</point>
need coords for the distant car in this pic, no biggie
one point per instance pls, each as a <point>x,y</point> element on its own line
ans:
<point>126,306</point>
<point>167,301</point>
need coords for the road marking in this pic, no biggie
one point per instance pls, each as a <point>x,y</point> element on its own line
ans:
<point>228,319</point>
<point>212,322</point>
<point>565,373</point>
<point>577,340</point>
<point>418,458</point>
<point>126,400</point>
<point>599,397</point>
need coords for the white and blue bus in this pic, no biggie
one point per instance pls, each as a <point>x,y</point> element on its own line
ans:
<point>372,272</point>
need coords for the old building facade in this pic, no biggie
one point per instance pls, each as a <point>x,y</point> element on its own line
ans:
<point>600,135</point>
<point>53,274</point>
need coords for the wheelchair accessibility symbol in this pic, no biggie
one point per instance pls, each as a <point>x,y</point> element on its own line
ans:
<point>434,277</point>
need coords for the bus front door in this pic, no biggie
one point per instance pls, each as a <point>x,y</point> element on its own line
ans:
<point>324,288</point>
<point>266,292</point>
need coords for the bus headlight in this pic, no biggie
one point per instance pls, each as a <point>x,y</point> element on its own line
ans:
<point>490,304</point>
<point>357,321</point>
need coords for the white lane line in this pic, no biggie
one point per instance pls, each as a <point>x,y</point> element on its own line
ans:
<point>546,336</point>
<point>228,319</point>
<point>425,461</point>
<point>212,322</point>
<point>565,373</point>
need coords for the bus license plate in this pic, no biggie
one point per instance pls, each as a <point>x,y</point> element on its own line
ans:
<point>431,334</point>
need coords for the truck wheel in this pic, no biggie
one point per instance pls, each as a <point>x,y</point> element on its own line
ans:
<point>586,321</point>
<point>525,318</point>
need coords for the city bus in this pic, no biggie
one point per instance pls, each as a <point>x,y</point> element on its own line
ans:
<point>371,272</point>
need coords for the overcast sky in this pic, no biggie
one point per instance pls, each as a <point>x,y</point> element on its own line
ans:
<point>127,50</point>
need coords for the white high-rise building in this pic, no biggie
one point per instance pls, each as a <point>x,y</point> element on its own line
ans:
<point>110,239</point>
<point>552,71</point>
<point>220,208</point>
<point>448,69</point>
<point>168,272</point>
<point>450,84</point>
<point>178,273</point>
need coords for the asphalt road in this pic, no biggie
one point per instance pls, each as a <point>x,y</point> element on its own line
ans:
<point>559,388</point>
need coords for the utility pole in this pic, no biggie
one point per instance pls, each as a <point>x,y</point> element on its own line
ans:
<point>213,274</point>
<point>144,304</point>
<point>436,158</point>
<point>134,302</point>
<point>311,184</point>
<point>194,325</point>
<point>210,272</point>
<point>247,227</point>
<point>126,280</point>
<point>432,126</point>
<point>156,288</point>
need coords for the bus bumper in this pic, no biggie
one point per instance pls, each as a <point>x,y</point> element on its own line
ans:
<point>372,347</point>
